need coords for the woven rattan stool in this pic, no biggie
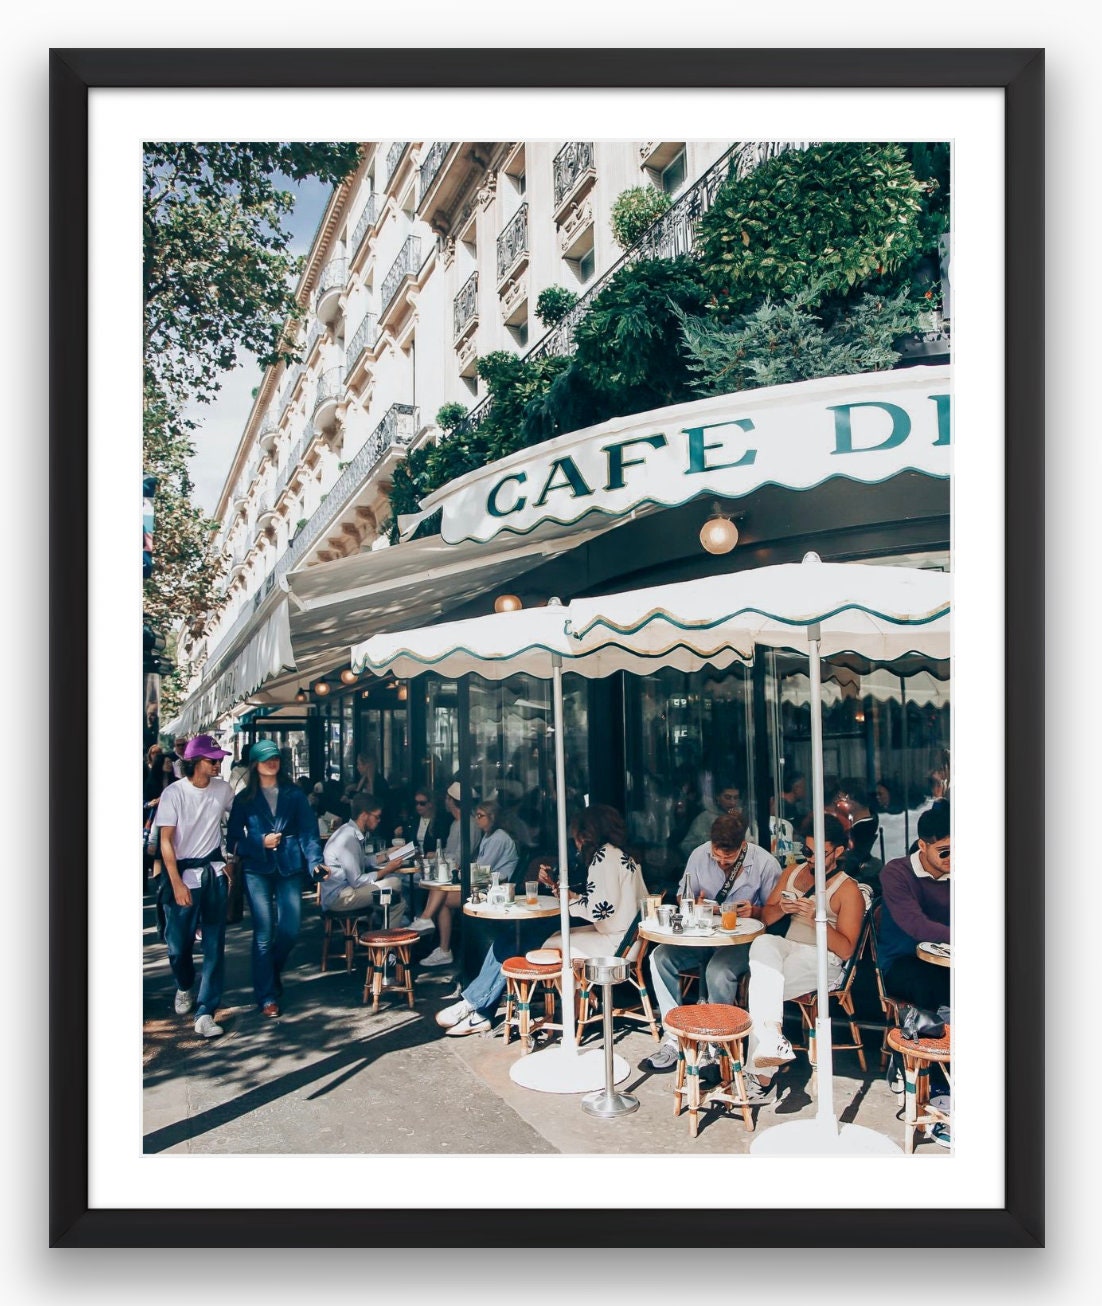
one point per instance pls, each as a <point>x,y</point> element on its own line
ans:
<point>523,979</point>
<point>378,944</point>
<point>918,1056</point>
<point>345,921</point>
<point>700,1024</point>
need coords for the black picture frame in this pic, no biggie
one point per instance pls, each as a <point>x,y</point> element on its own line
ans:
<point>1020,75</point>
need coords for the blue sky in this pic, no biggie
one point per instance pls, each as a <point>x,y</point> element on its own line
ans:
<point>221,423</point>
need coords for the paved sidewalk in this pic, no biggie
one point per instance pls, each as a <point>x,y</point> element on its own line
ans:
<point>328,1077</point>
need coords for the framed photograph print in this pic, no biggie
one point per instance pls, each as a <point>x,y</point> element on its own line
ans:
<point>575,571</point>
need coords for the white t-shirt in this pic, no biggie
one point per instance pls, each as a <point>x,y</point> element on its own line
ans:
<point>197,816</point>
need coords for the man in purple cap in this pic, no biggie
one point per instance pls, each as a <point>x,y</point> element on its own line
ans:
<point>190,816</point>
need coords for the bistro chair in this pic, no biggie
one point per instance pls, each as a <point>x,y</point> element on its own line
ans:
<point>842,996</point>
<point>588,994</point>
<point>379,944</point>
<point>918,1056</point>
<point>523,981</point>
<point>888,1003</point>
<point>696,1026</point>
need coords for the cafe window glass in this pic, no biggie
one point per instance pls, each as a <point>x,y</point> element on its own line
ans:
<point>687,737</point>
<point>440,764</point>
<point>885,748</point>
<point>513,754</point>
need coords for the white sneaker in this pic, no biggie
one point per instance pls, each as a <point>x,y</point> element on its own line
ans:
<point>472,1024</point>
<point>775,1053</point>
<point>185,1000</point>
<point>454,1014</point>
<point>205,1025</point>
<point>422,925</point>
<point>437,957</point>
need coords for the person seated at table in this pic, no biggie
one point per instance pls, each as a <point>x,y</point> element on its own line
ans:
<point>851,802</point>
<point>609,898</point>
<point>430,835</point>
<point>453,845</point>
<point>915,909</point>
<point>784,966</point>
<point>728,801</point>
<point>496,849</point>
<point>354,873</point>
<point>729,870</point>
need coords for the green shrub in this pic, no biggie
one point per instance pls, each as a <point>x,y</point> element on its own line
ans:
<point>829,217</point>
<point>553,304</point>
<point>448,416</point>
<point>634,210</point>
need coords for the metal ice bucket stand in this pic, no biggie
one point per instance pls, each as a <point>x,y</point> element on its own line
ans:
<point>605,1102</point>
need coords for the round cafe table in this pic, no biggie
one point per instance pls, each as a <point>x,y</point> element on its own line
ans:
<point>745,932</point>
<point>444,888</point>
<point>516,912</point>
<point>933,954</point>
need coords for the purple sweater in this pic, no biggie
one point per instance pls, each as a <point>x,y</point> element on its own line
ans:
<point>916,910</point>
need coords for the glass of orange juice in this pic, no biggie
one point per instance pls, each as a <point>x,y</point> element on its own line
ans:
<point>730,917</point>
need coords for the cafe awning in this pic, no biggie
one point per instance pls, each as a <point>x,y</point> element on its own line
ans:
<point>868,428</point>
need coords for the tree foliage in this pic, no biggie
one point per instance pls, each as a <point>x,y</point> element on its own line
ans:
<point>218,280</point>
<point>218,277</point>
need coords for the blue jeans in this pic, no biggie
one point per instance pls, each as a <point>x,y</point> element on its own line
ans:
<point>719,973</point>
<point>208,908</point>
<point>275,903</point>
<point>484,992</point>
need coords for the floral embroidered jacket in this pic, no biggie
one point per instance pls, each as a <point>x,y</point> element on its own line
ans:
<point>613,890</point>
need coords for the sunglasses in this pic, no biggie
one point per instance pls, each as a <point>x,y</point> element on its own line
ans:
<point>420,802</point>
<point>944,853</point>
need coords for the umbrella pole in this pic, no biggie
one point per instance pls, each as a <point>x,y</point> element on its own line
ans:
<point>563,1069</point>
<point>569,1033</point>
<point>823,1046</point>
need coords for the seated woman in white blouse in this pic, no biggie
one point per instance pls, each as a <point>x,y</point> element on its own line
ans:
<point>609,898</point>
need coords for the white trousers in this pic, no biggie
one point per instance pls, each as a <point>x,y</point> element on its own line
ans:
<point>780,970</point>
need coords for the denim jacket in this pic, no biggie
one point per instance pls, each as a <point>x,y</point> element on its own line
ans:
<point>299,850</point>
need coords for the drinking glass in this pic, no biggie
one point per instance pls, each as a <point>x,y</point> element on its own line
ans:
<point>531,892</point>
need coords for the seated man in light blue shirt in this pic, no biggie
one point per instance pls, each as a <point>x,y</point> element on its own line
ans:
<point>728,869</point>
<point>355,874</point>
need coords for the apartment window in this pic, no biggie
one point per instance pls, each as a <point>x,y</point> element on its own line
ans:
<point>519,331</point>
<point>587,265</point>
<point>672,177</point>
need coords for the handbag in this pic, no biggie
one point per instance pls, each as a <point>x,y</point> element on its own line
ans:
<point>915,1023</point>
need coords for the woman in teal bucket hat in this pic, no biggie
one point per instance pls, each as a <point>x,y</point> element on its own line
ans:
<point>274,832</point>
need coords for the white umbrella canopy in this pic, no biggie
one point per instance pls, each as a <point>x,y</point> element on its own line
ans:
<point>883,613</point>
<point>822,609</point>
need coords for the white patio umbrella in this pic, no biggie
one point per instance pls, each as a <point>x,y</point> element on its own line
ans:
<point>534,641</point>
<point>882,613</point>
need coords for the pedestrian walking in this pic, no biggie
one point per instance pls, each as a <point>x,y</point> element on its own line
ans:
<point>189,817</point>
<point>274,833</point>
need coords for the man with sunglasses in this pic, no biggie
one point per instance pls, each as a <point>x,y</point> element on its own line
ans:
<point>916,910</point>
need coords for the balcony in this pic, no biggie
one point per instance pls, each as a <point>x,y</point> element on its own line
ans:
<point>406,265</point>
<point>512,245</point>
<point>576,233</point>
<point>269,434</point>
<point>329,393</point>
<point>574,173</point>
<point>365,339</point>
<point>298,453</point>
<point>397,429</point>
<point>465,309</point>
<point>318,330</point>
<point>434,161</point>
<point>265,514</point>
<point>514,300</point>
<point>394,157</point>
<point>331,284</point>
<point>287,393</point>
<point>366,222</point>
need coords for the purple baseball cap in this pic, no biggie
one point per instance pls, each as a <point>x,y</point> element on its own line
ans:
<point>203,746</point>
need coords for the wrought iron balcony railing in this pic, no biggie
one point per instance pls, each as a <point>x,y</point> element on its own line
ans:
<point>366,222</point>
<point>394,157</point>
<point>330,387</point>
<point>299,451</point>
<point>407,264</point>
<point>366,335</point>
<point>317,330</point>
<point>465,306</point>
<point>513,242</point>
<point>431,166</point>
<point>574,159</point>
<point>334,276</point>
